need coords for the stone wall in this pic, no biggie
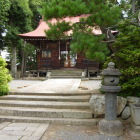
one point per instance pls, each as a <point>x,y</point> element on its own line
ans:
<point>97,105</point>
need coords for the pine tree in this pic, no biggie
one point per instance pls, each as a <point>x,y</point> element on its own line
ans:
<point>103,14</point>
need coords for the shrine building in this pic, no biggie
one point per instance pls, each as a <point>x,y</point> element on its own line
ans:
<point>55,54</point>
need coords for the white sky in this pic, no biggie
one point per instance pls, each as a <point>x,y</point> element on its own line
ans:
<point>4,54</point>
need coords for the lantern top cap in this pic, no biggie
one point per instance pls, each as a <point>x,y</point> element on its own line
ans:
<point>111,65</point>
<point>111,71</point>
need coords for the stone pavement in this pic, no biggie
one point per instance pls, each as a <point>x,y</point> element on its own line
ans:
<point>22,131</point>
<point>68,132</point>
<point>47,86</point>
<point>54,85</point>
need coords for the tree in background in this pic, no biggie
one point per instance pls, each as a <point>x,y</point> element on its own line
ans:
<point>103,14</point>
<point>22,16</point>
<point>4,7</point>
<point>4,77</point>
<point>19,21</point>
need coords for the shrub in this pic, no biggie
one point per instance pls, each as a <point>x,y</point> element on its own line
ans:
<point>5,77</point>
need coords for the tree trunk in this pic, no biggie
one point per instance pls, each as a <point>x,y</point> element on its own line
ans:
<point>25,60</point>
<point>133,9</point>
<point>133,6</point>
<point>23,64</point>
<point>109,37</point>
<point>13,63</point>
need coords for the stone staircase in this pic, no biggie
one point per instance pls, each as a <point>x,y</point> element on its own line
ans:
<point>66,73</point>
<point>58,108</point>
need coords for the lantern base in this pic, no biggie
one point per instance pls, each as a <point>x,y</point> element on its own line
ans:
<point>110,128</point>
<point>106,137</point>
<point>110,89</point>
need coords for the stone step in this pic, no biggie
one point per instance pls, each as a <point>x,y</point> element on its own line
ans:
<point>46,113</point>
<point>67,71</point>
<point>64,77</point>
<point>62,74</point>
<point>46,98</point>
<point>44,104</point>
<point>65,121</point>
<point>49,94</point>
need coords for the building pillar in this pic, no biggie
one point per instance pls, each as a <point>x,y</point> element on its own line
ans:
<point>66,51</point>
<point>59,50</point>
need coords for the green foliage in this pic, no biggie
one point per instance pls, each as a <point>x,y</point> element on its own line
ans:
<point>22,17</point>
<point>62,8</point>
<point>91,45</point>
<point>58,31</point>
<point>5,77</point>
<point>4,7</point>
<point>127,58</point>
<point>83,39</point>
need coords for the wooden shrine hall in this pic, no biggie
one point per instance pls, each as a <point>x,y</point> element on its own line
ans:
<point>55,54</point>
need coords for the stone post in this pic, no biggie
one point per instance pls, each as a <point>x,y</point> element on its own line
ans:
<point>110,128</point>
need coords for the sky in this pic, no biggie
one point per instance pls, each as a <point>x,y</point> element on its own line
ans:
<point>5,54</point>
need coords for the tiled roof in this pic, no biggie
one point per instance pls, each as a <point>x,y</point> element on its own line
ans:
<point>40,30</point>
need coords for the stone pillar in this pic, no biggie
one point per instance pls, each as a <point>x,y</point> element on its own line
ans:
<point>110,128</point>
<point>110,106</point>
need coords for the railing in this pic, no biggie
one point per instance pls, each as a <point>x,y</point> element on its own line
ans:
<point>90,66</point>
<point>45,65</point>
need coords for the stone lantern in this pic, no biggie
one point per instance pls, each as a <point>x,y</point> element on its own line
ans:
<point>110,127</point>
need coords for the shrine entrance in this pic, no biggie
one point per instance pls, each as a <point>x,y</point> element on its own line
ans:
<point>67,59</point>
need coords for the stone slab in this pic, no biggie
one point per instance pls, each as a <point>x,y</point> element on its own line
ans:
<point>22,131</point>
<point>15,128</point>
<point>40,130</point>
<point>8,137</point>
<point>24,124</point>
<point>4,124</point>
<point>30,128</point>
<point>5,132</point>
<point>30,138</point>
